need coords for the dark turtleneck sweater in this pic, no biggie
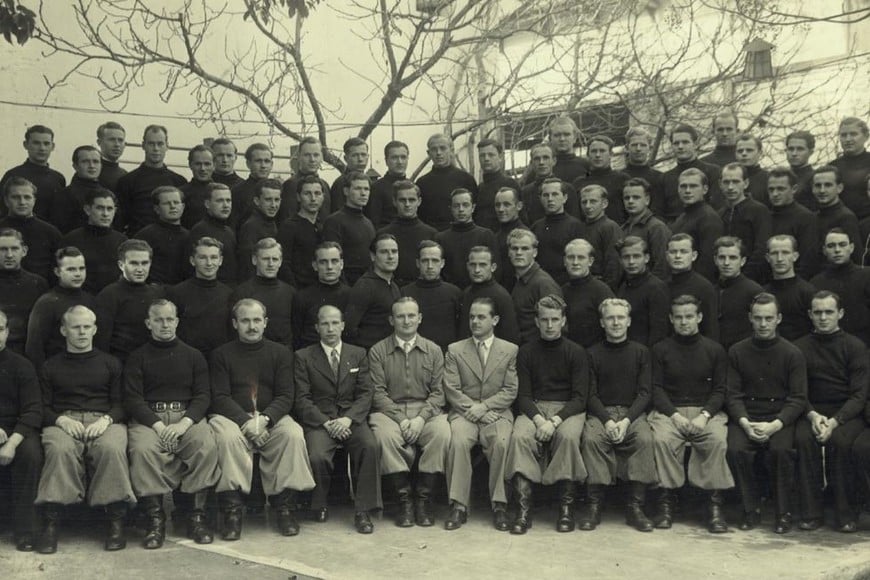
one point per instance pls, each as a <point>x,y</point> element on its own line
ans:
<point>409,232</point>
<point>767,380</point>
<point>195,194</point>
<point>749,221</point>
<point>368,309</point>
<point>380,209</point>
<point>553,232</point>
<point>66,210</point>
<point>583,296</point>
<point>277,296</point>
<point>798,221</point>
<point>457,241</point>
<point>212,227</point>
<point>693,284</point>
<point>804,195</point>
<point>436,187</point>
<point>110,173</point>
<point>134,194</point>
<point>229,179</point>
<point>621,375</point>
<point>839,216</point>
<point>721,155</point>
<point>236,367</point>
<point>243,201</point>
<point>533,209</point>
<point>552,370</point>
<point>604,233</point>
<point>484,210</point>
<point>19,291</point>
<point>656,235</point>
<point>20,396</point>
<point>355,232</point>
<point>611,180</point>
<point>48,182</point>
<point>203,313</point>
<point>507,328</point>
<point>256,227</point>
<point>306,303</point>
<point>757,189</point>
<point>837,374</point>
<point>100,248</point>
<point>650,303</point>
<point>122,308</point>
<point>42,240</point>
<point>653,176</point>
<point>795,296</point>
<point>298,238</point>
<point>441,306</point>
<point>701,221</point>
<point>290,201</point>
<point>81,381</point>
<point>570,166</point>
<point>669,206</point>
<point>170,263</point>
<point>735,296</point>
<point>528,289</point>
<point>854,171</point>
<point>163,372</point>
<point>43,328</point>
<point>505,273</point>
<point>852,284</point>
<point>689,371</point>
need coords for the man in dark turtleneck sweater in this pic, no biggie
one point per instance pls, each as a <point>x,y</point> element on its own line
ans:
<point>253,393</point>
<point>218,206</point>
<point>490,153</point>
<point>599,151</point>
<point>854,165</point>
<point>123,304</point>
<point>43,328</point>
<point>684,142</point>
<point>380,208</point>
<point>792,292</point>
<point>301,234</point>
<point>699,220</point>
<point>837,376</point>
<point>553,374</point>
<point>440,302</point>
<point>225,154</point>
<point>98,241</point>
<point>637,194</point>
<point>748,152</point>
<point>19,289</point>
<point>169,241</point>
<point>407,228</point>
<point>799,147</point>
<point>167,394</point>
<point>261,223</point>
<point>725,126</point>
<point>200,159</point>
<point>602,232</point>
<point>689,384</point>
<point>112,140</point>
<point>850,282</point>
<point>684,280</point>
<point>134,189</point>
<point>351,229</point>
<point>330,289</point>
<point>66,210</point>
<point>308,159</point>
<point>371,298</point>
<point>745,218</point>
<point>508,207</point>
<point>647,294</point>
<point>356,159</point>
<point>481,267</point>
<point>832,212</point>
<point>437,185</point>
<point>542,161</point>
<point>638,142</point>
<point>583,294</point>
<point>258,158</point>
<point>555,229</point>
<point>736,291</point>
<point>40,237</point>
<point>462,235</point>
<point>39,143</point>
<point>532,284</point>
<point>202,302</point>
<point>564,135</point>
<point>791,218</point>
<point>767,393</point>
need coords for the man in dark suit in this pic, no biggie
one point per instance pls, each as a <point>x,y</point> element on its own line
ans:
<point>335,395</point>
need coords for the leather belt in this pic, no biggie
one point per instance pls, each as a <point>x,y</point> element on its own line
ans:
<point>161,406</point>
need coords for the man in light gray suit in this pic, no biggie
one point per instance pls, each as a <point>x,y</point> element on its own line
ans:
<point>480,383</point>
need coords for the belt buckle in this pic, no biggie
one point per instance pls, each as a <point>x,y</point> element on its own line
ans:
<point>159,406</point>
<point>175,406</point>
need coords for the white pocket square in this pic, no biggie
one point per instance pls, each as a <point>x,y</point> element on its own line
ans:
<point>354,370</point>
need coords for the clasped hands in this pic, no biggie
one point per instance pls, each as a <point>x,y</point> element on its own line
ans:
<point>77,430</point>
<point>170,434</point>
<point>823,427</point>
<point>338,429</point>
<point>687,427</point>
<point>480,413</point>
<point>760,431</point>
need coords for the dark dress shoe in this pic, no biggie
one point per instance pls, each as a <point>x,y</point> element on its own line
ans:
<point>405,516</point>
<point>24,543</point>
<point>500,520</point>
<point>750,520</point>
<point>810,525</point>
<point>849,527</point>
<point>321,515</point>
<point>783,524</point>
<point>521,526</point>
<point>456,518</point>
<point>287,524</point>
<point>363,523</point>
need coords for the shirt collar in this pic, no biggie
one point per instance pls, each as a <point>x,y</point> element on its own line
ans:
<point>401,343</point>
<point>327,350</point>
<point>488,342</point>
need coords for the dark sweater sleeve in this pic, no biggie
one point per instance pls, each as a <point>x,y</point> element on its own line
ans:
<point>283,387</point>
<point>116,392</point>
<point>134,390</point>
<point>859,374</point>
<point>736,398</point>
<point>525,401</point>
<point>796,400</point>
<point>596,407</point>
<point>30,400</point>
<point>661,400</point>
<point>106,310</point>
<point>357,304</point>
<point>39,329</point>
<point>221,391</point>
<point>198,405</point>
<point>644,385</point>
<point>659,307</point>
<point>579,383</point>
<point>720,381</point>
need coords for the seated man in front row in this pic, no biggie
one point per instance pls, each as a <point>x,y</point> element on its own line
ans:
<point>480,382</point>
<point>406,371</point>
<point>252,395</point>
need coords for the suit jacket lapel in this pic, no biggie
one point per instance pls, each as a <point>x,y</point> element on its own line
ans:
<point>495,353</point>
<point>322,364</point>
<point>473,358</point>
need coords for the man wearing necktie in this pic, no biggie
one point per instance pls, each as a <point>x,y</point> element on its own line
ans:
<point>480,383</point>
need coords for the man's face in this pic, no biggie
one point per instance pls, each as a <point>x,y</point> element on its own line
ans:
<point>838,249</point>
<point>162,321</point>
<point>357,193</point>
<point>638,150</point>
<point>405,319</point>
<point>71,272</point>
<point>542,162</point>
<point>522,253</point>
<point>206,261</point>
<point>407,203</point>
<point>491,161</point>
<point>507,208</point>
<point>260,163</point>
<point>310,157</point>
<point>328,264</point>
<point>852,139</point>
<point>592,204</point>
<point>39,147</point>
<point>202,165</point>
<point>170,207</point>
<point>267,262</point>
<point>329,326</point>
<point>102,212</point>
<point>780,192</point>
<point>250,323</point>
<point>578,260</point>
<point>386,256</point>
<point>397,160</point>
<point>729,261</point>
<point>480,267</point>
<point>79,329</point>
<point>825,315</point>
<point>615,322</point>
<point>462,208</point>
<point>781,257</point>
<point>481,322</point>
<point>88,165</point>
<point>20,201</point>
<point>733,186</point>
<point>311,198</point>
<point>440,151</point>
<point>764,319</point>
<point>748,152</point>
<point>725,130</point>
<point>686,319</point>
<point>691,189</point>
<point>599,155</point>
<point>155,145</point>
<point>634,259</point>
<point>562,138</point>
<point>429,264</point>
<point>550,322</point>
<point>826,190</point>
<point>135,266</point>
<point>684,147</point>
<point>635,199</point>
<point>357,158</point>
<point>4,332</point>
<point>797,152</point>
<point>12,251</point>
<point>224,158</point>
<point>553,199</point>
<point>269,201</point>
<point>220,204</point>
<point>112,143</point>
<point>680,256</point>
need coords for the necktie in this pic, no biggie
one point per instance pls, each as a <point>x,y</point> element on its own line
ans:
<point>333,362</point>
<point>407,346</point>
<point>481,351</point>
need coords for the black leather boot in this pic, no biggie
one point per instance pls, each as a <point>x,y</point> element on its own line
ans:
<point>401,486</point>
<point>634,515</point>
<point>198,529</point>
<point>422,508</point>
<point>285,507</point>
<point>155,521</point>
<point>565,521</point>
<point>232,506</point>
<point>594,507</point>
<point>665,517</point>
<point>716,524</point>
<point>523,499</point>
<point>47,542</point>
<point>116,537</point>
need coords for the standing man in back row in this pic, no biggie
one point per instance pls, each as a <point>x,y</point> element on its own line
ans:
<point>444,177</point>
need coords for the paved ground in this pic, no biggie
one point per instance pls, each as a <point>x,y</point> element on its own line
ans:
<point>335,550</point>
